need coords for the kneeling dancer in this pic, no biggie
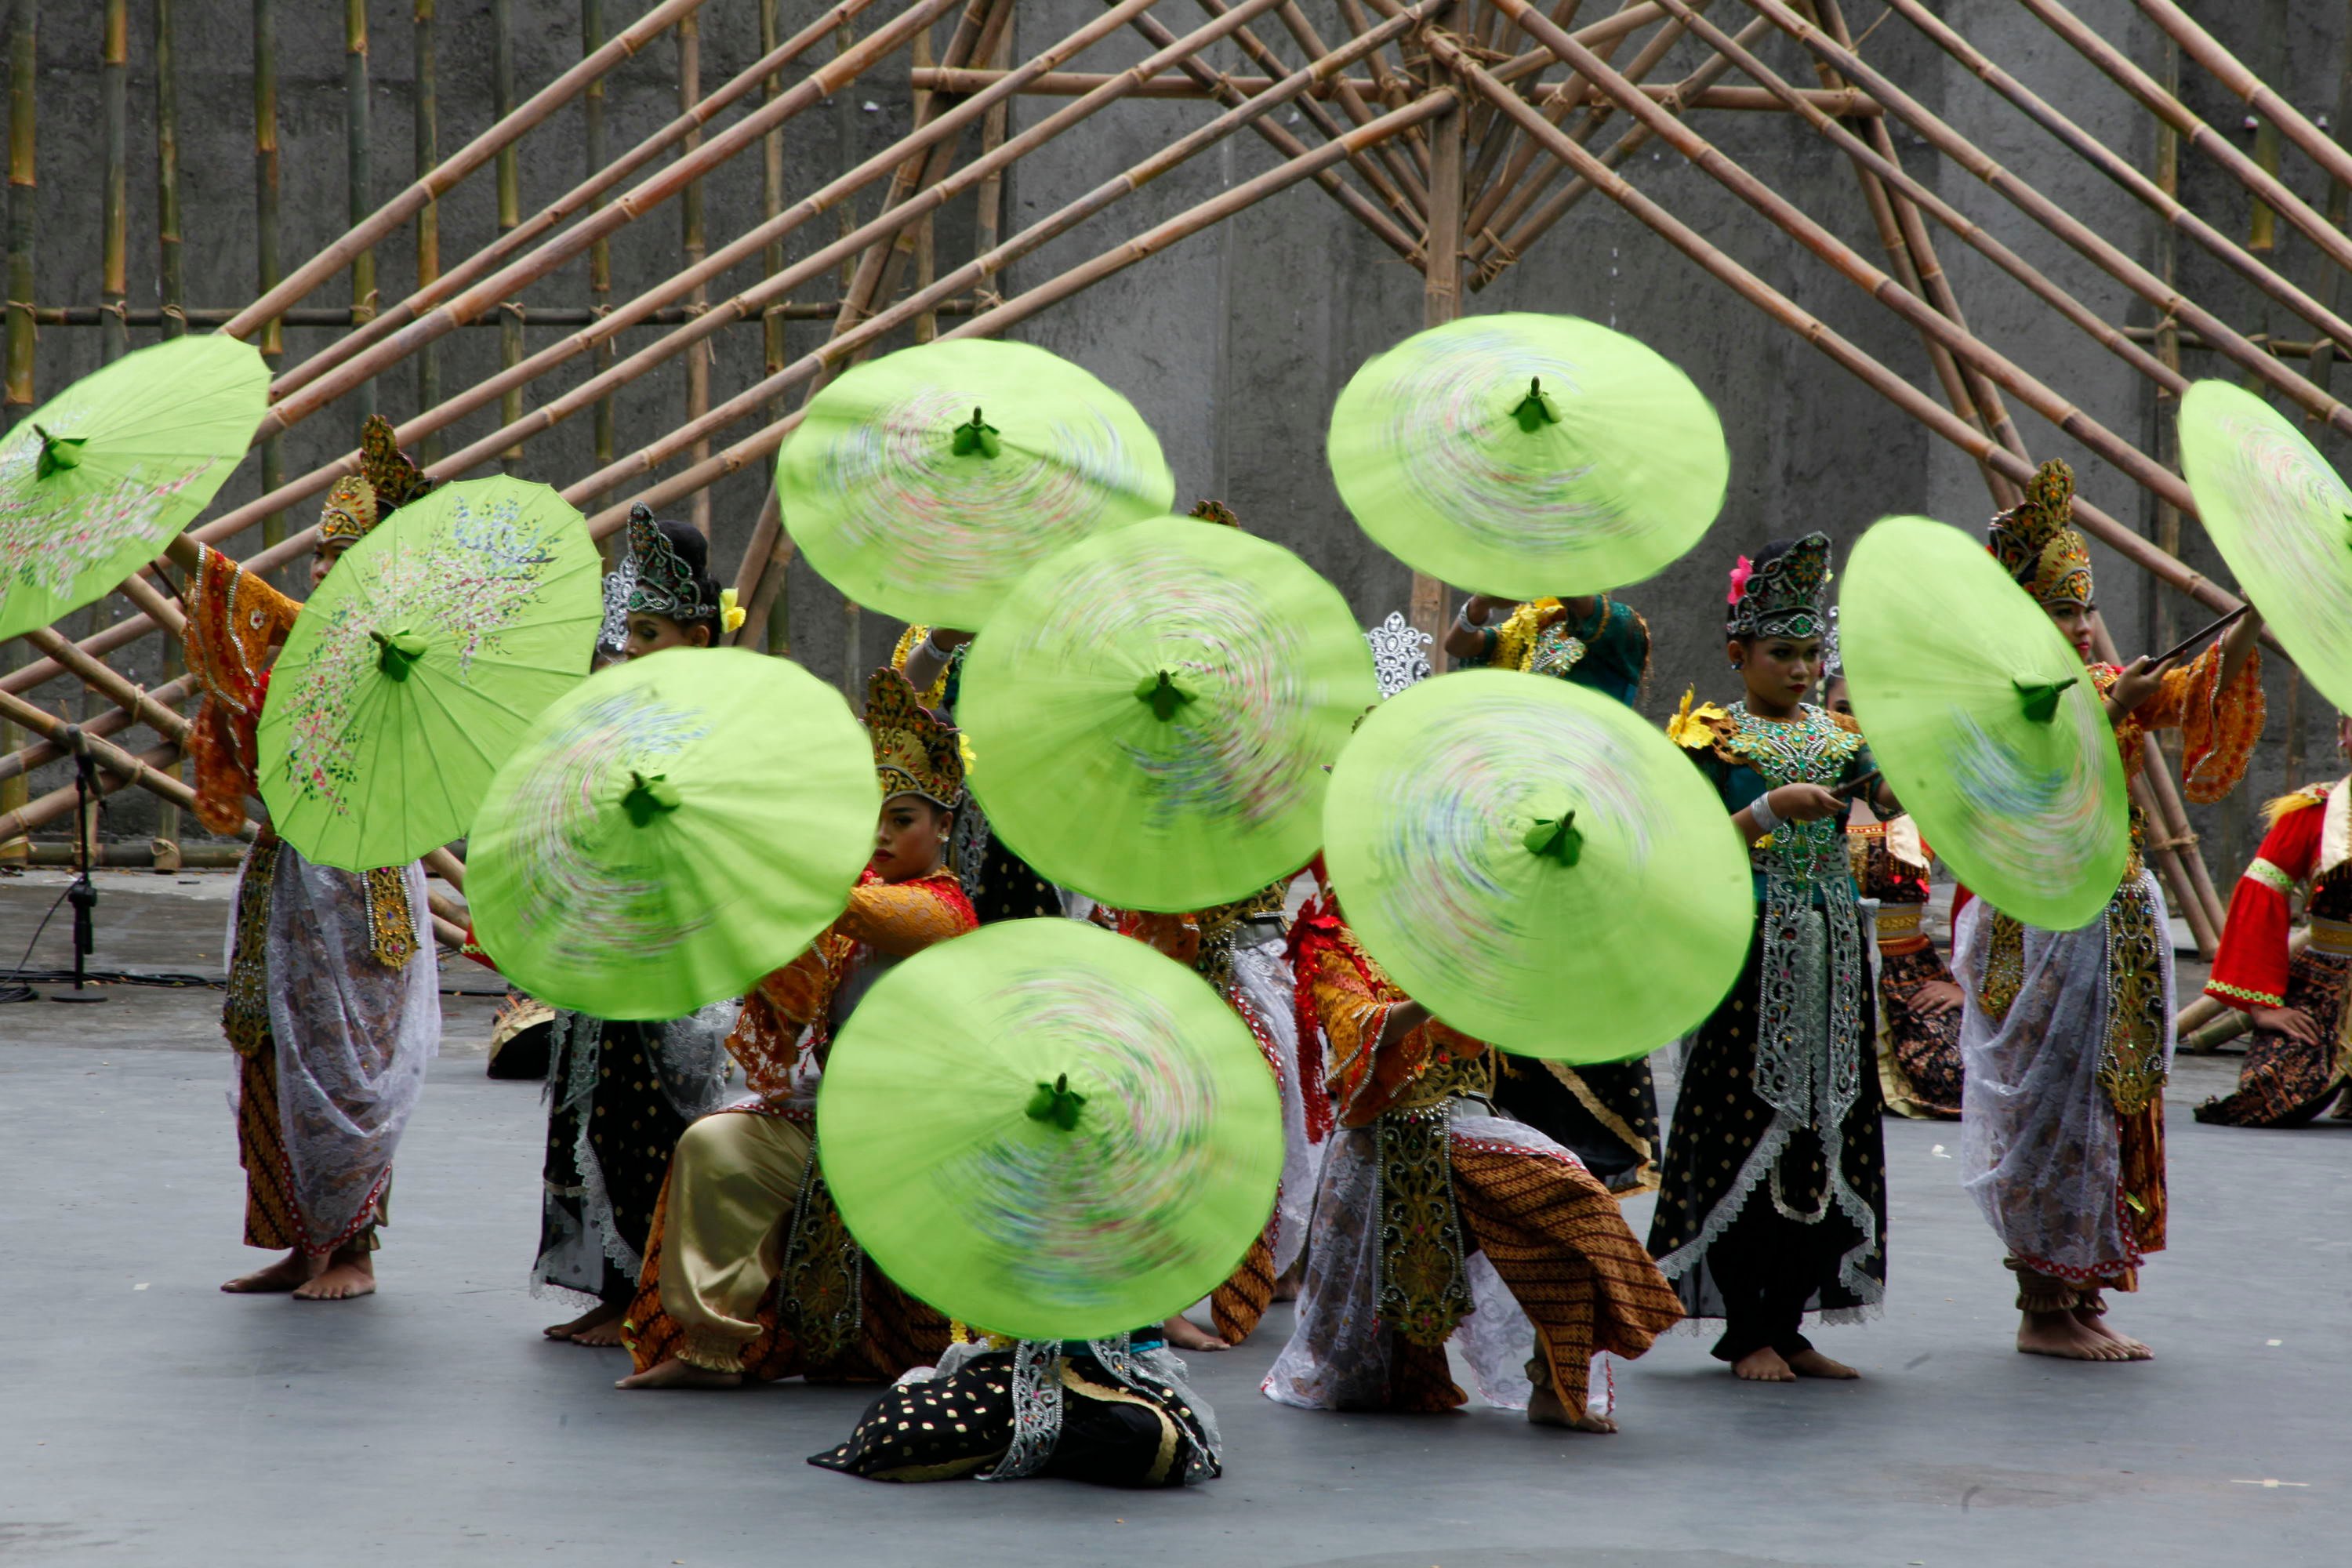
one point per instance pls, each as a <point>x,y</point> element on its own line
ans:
<point>745,1202</point>
<point>1437,1218</point>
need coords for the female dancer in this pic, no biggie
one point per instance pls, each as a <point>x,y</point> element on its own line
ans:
<point>1773,1204</point>
<point>746,1205</point>
<point>329,1009</point>
<point>2298,1058</point>
<point>2067,1036</point>
<point>620,1094</point>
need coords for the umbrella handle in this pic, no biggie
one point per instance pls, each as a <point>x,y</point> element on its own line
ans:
<point>2041,696</point>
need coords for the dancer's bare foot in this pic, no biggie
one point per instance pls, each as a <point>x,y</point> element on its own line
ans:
<point>1763,1365</point>
<point>605,1335</point>
<point>2097,1323</point>
<point>2058,1334</point>
<point>1809,1362</point>
<point>290,1272</point>
<point>676,1373</point>
<point>346,1276</point>
<point>1545,1408</point>
<point>1287,1284</point>
<point>593,1318</point>
<point>1187,1335</point>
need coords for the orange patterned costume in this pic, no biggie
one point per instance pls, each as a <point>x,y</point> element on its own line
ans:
<point>1431,1205</point>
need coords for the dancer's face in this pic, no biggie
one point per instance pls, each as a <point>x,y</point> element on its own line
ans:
<point>2074,620</point>
<point>1835,697</point>
<point>649,632</point>
<point>910,839</point>
<point>1779,671</point>
<point>323,559</point>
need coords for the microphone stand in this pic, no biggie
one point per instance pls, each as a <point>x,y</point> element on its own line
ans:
<point>83,894</point>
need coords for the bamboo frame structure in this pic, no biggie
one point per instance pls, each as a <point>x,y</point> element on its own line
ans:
<point>1456,134</point>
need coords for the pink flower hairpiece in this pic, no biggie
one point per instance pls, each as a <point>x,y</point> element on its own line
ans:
<point>1739,576</point>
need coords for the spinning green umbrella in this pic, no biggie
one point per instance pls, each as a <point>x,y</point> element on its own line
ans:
<point>1985,721</point>
<point>1050,1132</point>
<point>109,471</point>
<point>1525,455</point>
<point>1150,713</point>
<point>2282,519</point>
<point>925,482</point>
<point>1537,866</point>
<point>671,830</point>
<point>416,666</point>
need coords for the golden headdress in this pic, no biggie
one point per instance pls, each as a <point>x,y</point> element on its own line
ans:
<point>386,481</point>
<point>2036,542</point>
<point>915,751</point>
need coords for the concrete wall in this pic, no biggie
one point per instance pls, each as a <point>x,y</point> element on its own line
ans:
<point>1234,342</point>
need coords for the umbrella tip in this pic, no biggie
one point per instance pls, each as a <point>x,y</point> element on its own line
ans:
<point>1163,695</point>
<point>1556,839</point>
<point>648,798</point>
<point>1056,1103</point>
<point>1537,409</point>
<point>2040,697</point>
<point>59,453</point>
<point>976,436</point>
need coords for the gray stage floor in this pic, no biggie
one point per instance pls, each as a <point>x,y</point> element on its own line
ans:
<point>146,1418</point>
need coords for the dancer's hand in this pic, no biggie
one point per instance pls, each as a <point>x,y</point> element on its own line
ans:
<point>2292,1022</point>
<point>1805,803</point>
<point>2140,680</point>
<point>1935,997</point>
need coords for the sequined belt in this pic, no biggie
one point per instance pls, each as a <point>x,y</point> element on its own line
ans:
<point>2333,937</point>
<point>1897,920</point>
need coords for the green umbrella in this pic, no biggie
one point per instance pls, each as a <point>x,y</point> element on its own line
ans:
<point>925,482</point>
<point>2282,519</point>
<point>1525,455</point>
<point>109,471</point>
<point>1537,866</point>
<point>671,830</point>
<point>1050,1132</point>
<point>1150,713</point>
<point>413,670</point>
<point>1985,723</point>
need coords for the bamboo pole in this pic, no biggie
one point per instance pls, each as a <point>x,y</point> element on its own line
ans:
<point>427,143</point>
<point>1499,254</point>
<point>1938,419</point>
<point>106,754</point>
<point>2157,796</point>
<point>455,168</point>
<point>600,255</point>
<point>114,220</point>
<point>2271,195</point>
<point>147,707</point>
<point>2169,300</point>
<point>1387,177</point>
<point>1870,279</point>
<point>2101,156</point>
<point>2164,410</point>
<point>15,765</point>
<point>358,147</point>
<point>926,325</point>
<point>1384,228</point>
<point>1493,134</point>
<point>2202,48</point>
<point>773,344</point>
<point>648,195</point>
<point>508,174</point>
<point>586,196</point>
<point>1395,155</point>
<point>272,339</point>
<point>763,444</point>
<point>23,201</point>
<point>989,209</point>
<point>2330,281</point>
<point>695,248</point>
<point>45,809</point>
<point>1441,302</point>
<point>1513,193</point>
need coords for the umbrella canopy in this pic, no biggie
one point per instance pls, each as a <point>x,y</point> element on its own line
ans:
<point>416,666</point>
<point>925,482</point>
<point>1050,1132</point>
<point>1537,866</point>
<point>1150,713</point>
<point>1985,721</point>
<point>2282,517</point>
<point>1526,455</point>
<point>109,471</point>
<point>670,830</point>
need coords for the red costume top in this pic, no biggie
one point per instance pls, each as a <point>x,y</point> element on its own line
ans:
<point>2250,969</point>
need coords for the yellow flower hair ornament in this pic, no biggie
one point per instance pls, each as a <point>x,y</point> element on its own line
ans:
<point>963,745</point>
<point>1694,729</point>
<point>731,615</point>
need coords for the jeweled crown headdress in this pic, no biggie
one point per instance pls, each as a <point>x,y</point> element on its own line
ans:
<point>666,583</point>
<point>2036,541</point>
<point>386,481</point>
<point>915,751</point>
<point>1782,597</point>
